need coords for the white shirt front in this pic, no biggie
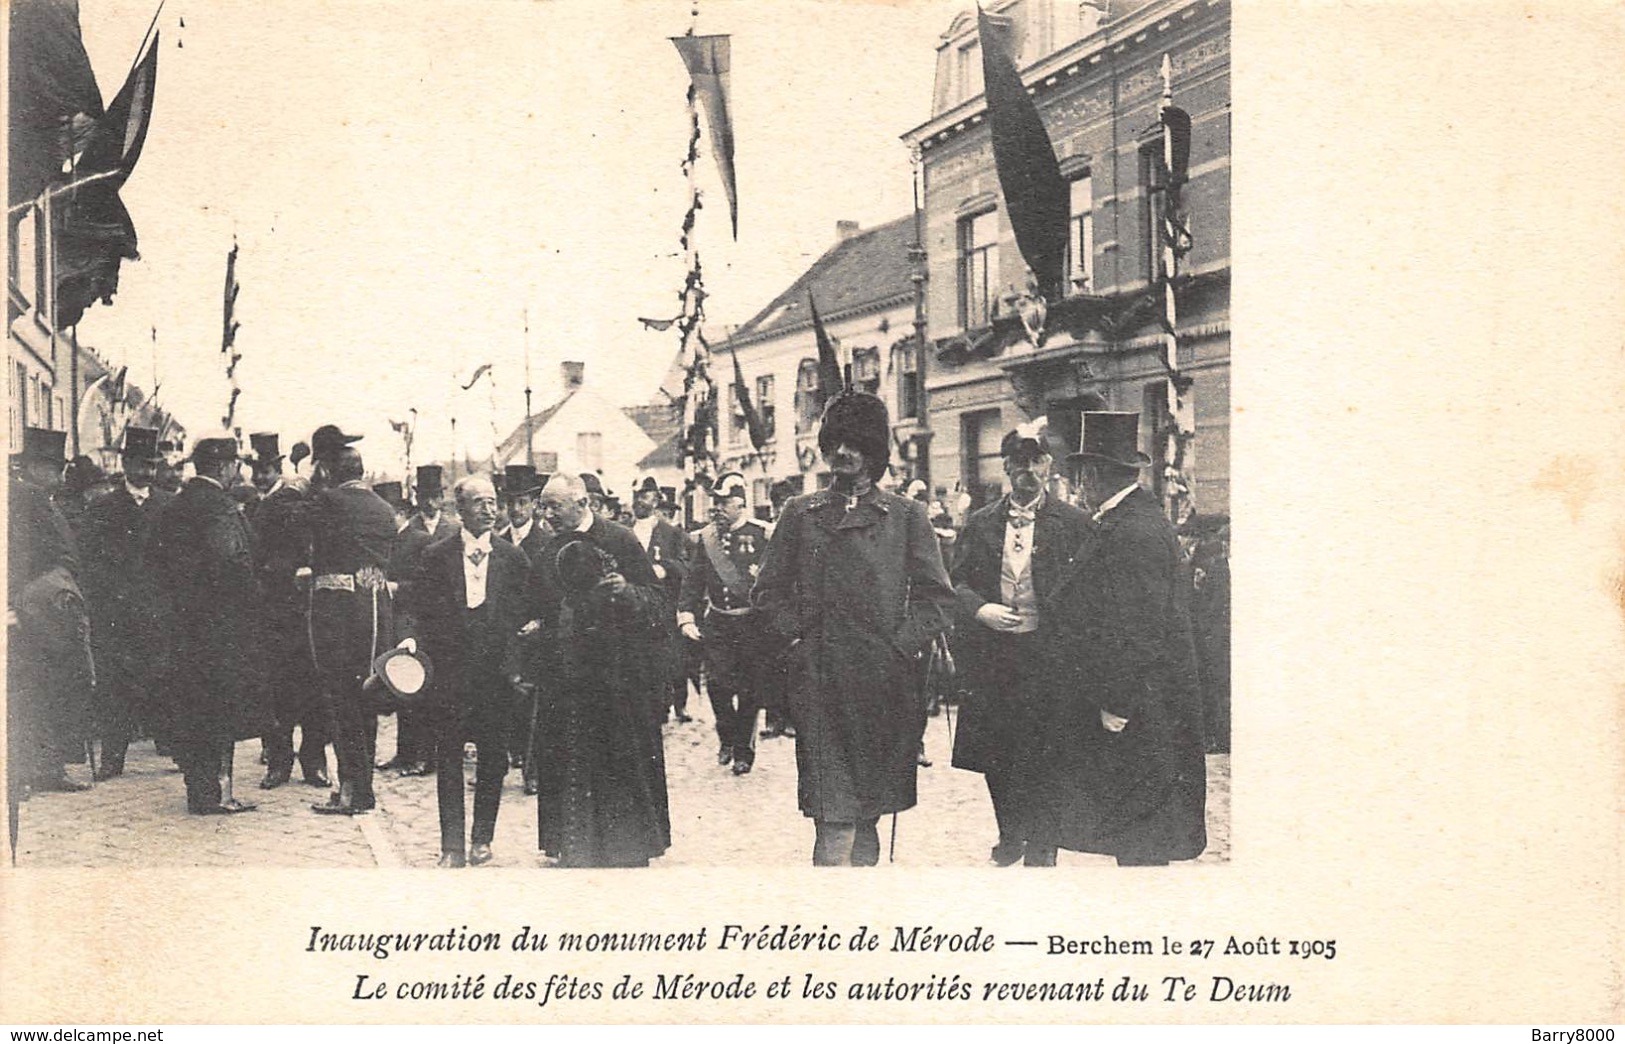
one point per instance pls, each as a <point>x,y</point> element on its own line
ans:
<point>1016,570</point>
<point>645,529</point>
<point>518,534</point>
<point>585,523</point>
<point>476,564</point>
<point>138,495</point>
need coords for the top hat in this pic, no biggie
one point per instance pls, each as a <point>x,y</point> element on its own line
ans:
<point>859,419</point>
<point>429,483</point>
<point>266,447</point>
<point>519,480</point>
<point>648,485</point>
<point>327,440</point>
<point>595,487</point>
<point>1111,437</point>
<point>391,494</point>
<point>400,679</point>
<point>581,565</point>
<point>731,484</point>
<point>44,445</point>
<point>140,444</point>
<point>214,447</point>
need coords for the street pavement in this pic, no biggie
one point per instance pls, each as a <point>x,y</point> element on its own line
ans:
<point>139,820</point>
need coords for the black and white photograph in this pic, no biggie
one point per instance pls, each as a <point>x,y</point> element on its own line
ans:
<point>888,534</point>
<point>755,488</point>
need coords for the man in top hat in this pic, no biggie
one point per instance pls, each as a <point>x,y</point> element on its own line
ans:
<point>1014,556</point>
<point>667,550</point>
<point>122,590</point>
<point>469,597</point>
<point>49,669</point>
<point>203,557</point>
<point>281,525</point>
<point>414,745</point>
<point>517,491</point>
<point>431,494</point>
<point>352,534</point>
<point>602,786</point>
<point>854,579</point>
<point>1138,734</point>
<point>714,608</point>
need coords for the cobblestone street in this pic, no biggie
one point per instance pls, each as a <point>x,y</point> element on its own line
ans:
<point>140,820</point>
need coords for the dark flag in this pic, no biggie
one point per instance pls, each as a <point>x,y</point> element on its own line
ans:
<point>753,420</point>
<point>707,59</point>
<point>829,368</point>
<point>116,141</point>
<point>1035,195</point>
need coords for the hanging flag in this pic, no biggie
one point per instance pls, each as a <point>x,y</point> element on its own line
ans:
<point>753,420</point>
<point>661,325</point>
<point>399,427</point>
<point>115,142</point>
<point>1036,197</point>
<point>829,368</point>
<point>707,59</point>
<point>484,369</point>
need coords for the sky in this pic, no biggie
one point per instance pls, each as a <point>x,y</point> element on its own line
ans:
<point>406,179</point>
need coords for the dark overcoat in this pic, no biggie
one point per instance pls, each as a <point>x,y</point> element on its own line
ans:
<point>602,663</point>
<point>281,527</point>
<point>999,723</point>
<point>860,593</point>
<point>352,532</point>
<point>474,656</point>
<point>201,554</point>
<point>1127,611</point>
<point>121,590</point>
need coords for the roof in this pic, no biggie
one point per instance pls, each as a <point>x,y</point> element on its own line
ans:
<point>515,442</point>
<point>659,420</point>
<point>865,269</point>
<point>666,455</point>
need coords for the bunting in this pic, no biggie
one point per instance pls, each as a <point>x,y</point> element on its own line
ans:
<point>1036,197</point>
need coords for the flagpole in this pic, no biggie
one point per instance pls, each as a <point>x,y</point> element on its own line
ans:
<point>1177,498</point>
<point>530,453</point>
<point>917,274</point>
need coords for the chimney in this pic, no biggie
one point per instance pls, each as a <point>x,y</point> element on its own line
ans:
<point>845,230</point>
<point>572,374</point>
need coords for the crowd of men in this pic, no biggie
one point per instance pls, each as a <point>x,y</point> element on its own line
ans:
<point>555,639</point>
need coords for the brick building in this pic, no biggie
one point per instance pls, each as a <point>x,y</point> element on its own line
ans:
<point>1095,75</point>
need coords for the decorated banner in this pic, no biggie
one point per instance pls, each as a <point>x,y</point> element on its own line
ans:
<point>707,58</point>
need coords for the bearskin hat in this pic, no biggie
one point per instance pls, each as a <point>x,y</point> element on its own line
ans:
<point>860,419</point>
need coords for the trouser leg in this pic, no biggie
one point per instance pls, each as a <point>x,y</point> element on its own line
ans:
<point>488,776</point>
<point>118,724</point>
<point>448,746</point>
<point>866,843</point>
<point>999,791</point>
<point>832,843</point>
<point>719,689</point>
<point>351,739</point>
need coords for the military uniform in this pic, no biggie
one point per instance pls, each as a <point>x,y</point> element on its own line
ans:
<point>282,533</point>
<point>667,549</point>
<point>716,596</point>
<point>351,620</point>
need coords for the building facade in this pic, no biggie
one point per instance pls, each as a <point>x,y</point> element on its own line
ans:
<point>1095,74</point>
<point>865,296</point>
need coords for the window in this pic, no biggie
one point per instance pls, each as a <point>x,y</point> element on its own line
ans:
<point>33,388</point>
<point>807,406</point>
<point>1081,235</point>
<point>908,384</point>
<point>866,370</point>
<point>1151,184</point>
<point>45,397</point>
<point>968,73</point>
<point>764,405</point>
<point>978,265</point>
<point>590,450</point>
<point>738,427</point>
<point>22,405</point>
<point>981,467</point>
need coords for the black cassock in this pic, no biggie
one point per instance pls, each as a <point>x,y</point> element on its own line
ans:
<point>602,779</point>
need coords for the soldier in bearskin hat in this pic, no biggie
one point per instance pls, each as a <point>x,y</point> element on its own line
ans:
<point>122,589</point>
<point>854,579</point>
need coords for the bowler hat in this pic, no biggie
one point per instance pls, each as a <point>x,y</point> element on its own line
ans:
<point>327,440</point>
<point>519,480</point>
<point>45,446</point>
<point>82,474</point>
<point>1111,437</point>
<point>429,482</point>
<point>215,447</point>
<point>140,444</point>
<point>648,485</point>
<point>266,447</point>
<point>860,420</point>
<point>595,487</point>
